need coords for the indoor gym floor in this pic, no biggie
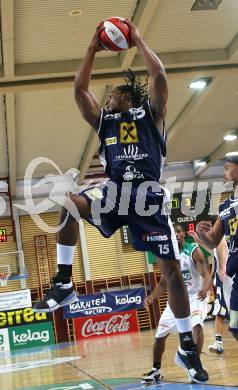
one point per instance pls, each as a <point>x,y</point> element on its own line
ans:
<point>112,363</point>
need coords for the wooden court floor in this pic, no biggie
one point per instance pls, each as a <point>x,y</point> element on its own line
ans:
<point>66,365</point>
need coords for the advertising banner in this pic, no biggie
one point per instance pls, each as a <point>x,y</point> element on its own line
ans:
<point>22,317</point>
<point>15,300</point>
<point>31,336</point>
<point>108,302</point>
<point>4,340</point>
<point>106,325</point>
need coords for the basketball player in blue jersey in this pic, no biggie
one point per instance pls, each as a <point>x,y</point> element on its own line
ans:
<point>227,224</point>
<point>132,148</point>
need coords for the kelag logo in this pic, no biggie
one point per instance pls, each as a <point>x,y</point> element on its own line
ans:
<point>128,300</point>
<point>23,338</point>
<point>31,336</point>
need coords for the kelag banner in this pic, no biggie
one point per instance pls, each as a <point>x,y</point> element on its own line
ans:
<point>31,335</point>
<point>103,303</point>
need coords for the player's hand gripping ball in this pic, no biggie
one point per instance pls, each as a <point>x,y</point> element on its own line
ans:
<point>114,34</point>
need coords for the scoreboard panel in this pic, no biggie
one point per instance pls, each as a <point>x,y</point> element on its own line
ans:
<point>189,209</point>
<point>3,235</point>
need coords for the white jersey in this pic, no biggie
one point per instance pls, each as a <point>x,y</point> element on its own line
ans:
<point>193,282</point>
<point>191,276</point>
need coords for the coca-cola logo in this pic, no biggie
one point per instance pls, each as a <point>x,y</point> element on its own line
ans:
<point>115,324</point>
<point>106,325</point>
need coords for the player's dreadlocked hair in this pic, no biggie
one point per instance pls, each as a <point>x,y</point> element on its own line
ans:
<point>137,89</point>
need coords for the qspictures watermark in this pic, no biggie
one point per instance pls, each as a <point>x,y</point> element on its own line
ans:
<point>149,198</point>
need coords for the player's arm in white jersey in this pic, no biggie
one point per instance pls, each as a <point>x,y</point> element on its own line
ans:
<point>210,235</point>
<point>202,267</point>
<point>159,290</point>
<point>222,256</point>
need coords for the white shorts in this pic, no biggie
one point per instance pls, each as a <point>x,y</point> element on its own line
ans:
<point>167,323</point>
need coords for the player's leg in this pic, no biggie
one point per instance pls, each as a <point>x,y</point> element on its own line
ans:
<point>217,346</point>
<point>155,233</point>
<point>198,310</point>
<point>221,312</point>
<point>198,337</point>
<point>155,375</point>
<point>165,327</point>
<point>233,326</point>
<point>219,324</point>
<point>62,292</point>
<point>187,355</point>
<point>162,242</point>
<point>77,206</point>
<point>67,237</point>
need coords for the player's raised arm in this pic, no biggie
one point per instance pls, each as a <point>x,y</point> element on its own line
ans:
<point>156,70</point>
<point>211,235</point>
<point>222,256</point>
<point>86,101</point>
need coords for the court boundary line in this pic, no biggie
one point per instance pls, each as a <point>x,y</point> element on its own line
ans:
<point>90,376</point>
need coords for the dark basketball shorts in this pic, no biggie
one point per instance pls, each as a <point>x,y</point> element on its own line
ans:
<point>221,307</point>
<point>233,326</point>
<point>142,207</point>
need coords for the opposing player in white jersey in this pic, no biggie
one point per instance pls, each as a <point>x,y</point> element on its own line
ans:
<point>198,280</point>
<point>222,286</point>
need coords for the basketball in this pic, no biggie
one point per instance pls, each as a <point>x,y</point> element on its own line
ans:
<point>115,34</point>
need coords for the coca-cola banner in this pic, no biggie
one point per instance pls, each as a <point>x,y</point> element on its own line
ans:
<point>106,325</point>
<point>108,302</point>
